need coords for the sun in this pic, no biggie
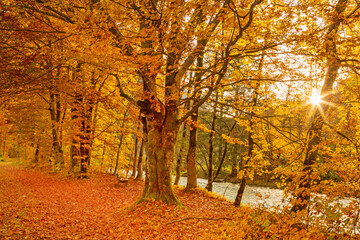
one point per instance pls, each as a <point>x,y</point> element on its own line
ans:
<point>315,99</point>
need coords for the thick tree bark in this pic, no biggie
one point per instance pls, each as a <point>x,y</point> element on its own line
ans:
<point>302,194</point>
<point>162,133</point>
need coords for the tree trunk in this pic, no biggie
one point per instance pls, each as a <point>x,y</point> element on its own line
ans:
<point>161,139</point>
<point>118,155</point>
<point>178,161</point>
<point>103,155</point>
<point>36,155</point>
<point>136,147</point>
<point>302,194</point>
<point>222,160</point>
<point>54,108</point>
<point>139,175</point>
<point>81,115</point>
<point>135,155</point>
<point>211,146</point>
<point>240,192</point>
<point>191,157</point>
<point>4,148</point>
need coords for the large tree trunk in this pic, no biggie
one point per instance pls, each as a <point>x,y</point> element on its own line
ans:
<point>302,194</point>
<point>161,139</point>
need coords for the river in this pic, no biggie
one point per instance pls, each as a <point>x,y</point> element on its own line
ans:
<point>268,198</point>
<point>263,196</point>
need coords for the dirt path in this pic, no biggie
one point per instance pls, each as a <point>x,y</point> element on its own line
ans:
<point>36,205</point>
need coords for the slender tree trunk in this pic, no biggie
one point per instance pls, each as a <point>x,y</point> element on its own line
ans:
<point>86,143</point>
<point>191,157</point>
<point>302,194</point>
<point>4,148</point>
<point>103,155</point>
<point>118,155</point>
<point>36,155</point>
<point>181,153</point>
<point>241,190</point>
<point>211,145</point>
<point>75,147</point>
<point>222,160</point>
<point>136,148</point>
<point>54,108</point>
<point>139,175</point>
<point>234,162</point>
<point>135,155</point>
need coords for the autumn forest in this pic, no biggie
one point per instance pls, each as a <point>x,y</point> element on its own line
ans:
<point>108,106</point>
